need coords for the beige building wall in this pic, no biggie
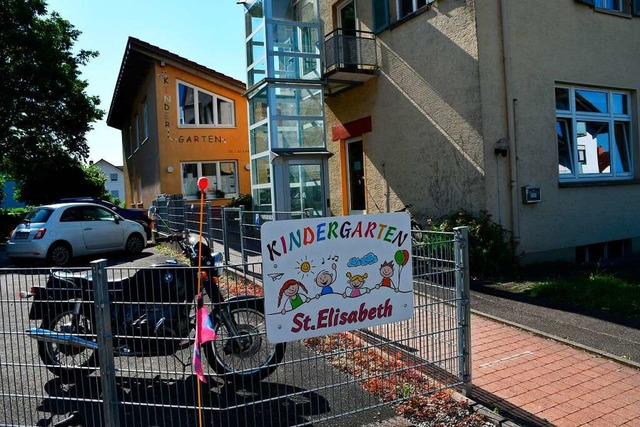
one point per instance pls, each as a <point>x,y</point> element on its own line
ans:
<point>570,43</point>
<point>451,90</point>
<point>425,147</point>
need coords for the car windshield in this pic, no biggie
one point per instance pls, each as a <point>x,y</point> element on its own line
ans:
<point>38,215</point>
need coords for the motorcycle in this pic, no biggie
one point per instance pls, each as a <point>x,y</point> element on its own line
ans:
<point>152,313</point>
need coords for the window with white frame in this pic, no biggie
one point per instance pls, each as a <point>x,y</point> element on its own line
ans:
<point>407,7</point>
<point>197,107</point>
<point>593,128</point>
<point>113,176</point>
<point>222,176</point>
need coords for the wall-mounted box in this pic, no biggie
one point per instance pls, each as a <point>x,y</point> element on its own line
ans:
<point>531,194</point>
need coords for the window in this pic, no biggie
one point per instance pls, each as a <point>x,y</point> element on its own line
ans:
<point>407,7</point>
<point>616,5</point>
<point>622,6</point>
<point>593,130</point>
<point>115,194</point>
<point>113,177</point>
<point>200,108</point>
<point>222,178</point>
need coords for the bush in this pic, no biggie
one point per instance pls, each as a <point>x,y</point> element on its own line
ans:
<point>490,250</point>
<point>243,200</point>
<point>9,219</point>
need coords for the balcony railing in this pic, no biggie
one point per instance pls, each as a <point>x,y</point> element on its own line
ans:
<point>350,51</point>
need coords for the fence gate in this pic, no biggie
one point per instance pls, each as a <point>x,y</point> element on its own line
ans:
<point>352,378</point>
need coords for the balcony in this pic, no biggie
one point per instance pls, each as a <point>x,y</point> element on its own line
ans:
<point>351,58</point>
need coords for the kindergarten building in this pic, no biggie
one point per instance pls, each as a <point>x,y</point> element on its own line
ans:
<point>179,121</point>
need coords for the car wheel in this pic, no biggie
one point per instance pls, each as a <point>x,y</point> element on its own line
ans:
<point>59,254</point>
<point>135,244</point>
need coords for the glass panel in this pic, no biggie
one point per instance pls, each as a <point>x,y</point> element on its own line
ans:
<point>205,108</point>
<point>594,137</point>
<point>257,73</point>
<point>225,112</point>
<point>258,107</point>
<point>305,183</point>
<point>313,134</point>
<point>562,99</point>
<point>293,10</point>
<point>261,172</point>
<point>620,103</point>
<point>228,178</point>
<point>190,179</point>
<point>622,162</point>
<point>406,7</point>
<point>186,105</point>
<point>253,18</point>
<point>210,171</point>
<point>299,102</point>
<point>255,47</point>
<point>259,139</point>
<point>565,146</point>
<point>284,38</point>
<point>262,196</point>
<point>591,101</point>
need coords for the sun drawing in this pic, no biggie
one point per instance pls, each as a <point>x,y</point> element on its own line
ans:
<point>305,267</point>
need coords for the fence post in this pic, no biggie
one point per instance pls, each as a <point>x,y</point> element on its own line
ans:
<point>225,235</point>
<point>463,290</point>
<point>105,342</point>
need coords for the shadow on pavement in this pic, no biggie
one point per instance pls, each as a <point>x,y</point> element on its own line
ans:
<point>516,414</point>
<point>157,402</point>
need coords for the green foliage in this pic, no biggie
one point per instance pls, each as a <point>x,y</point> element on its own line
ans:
<point>597,291</point>
<point>243,200</point>
<point>9,219</point>
<point>57,179</point>
<point>44,109</point>
<point>490,253</point>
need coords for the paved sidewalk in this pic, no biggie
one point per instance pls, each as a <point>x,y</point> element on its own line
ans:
<point>541,381</point>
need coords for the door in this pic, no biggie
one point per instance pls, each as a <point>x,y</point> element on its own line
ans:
<point>306,190</point>
<point>100,230</point>
<point>347,22</point>
<point>355,176</point>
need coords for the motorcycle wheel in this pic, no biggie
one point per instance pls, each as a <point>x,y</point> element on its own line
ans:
<point>256,357</point>
<point>70,363</point>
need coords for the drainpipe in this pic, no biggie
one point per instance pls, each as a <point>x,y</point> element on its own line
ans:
<point>511,124</point>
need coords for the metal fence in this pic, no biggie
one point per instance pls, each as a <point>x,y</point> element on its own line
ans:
<point>340,379</point>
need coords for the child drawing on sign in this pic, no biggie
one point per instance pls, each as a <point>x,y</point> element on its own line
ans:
<point>291,289</point>
<point>356,285</point>
<point>324,279</point>
<point>386,271</point>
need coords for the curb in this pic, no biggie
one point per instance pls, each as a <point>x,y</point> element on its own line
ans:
<point>604,354</point>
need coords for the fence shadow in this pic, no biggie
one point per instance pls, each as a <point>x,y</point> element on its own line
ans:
<point>169,402</point>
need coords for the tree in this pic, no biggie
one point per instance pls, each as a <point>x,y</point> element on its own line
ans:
<point>45,112</point>
<point>58,179</point>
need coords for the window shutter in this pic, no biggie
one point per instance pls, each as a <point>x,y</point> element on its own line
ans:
<point>589,2</point>
<point>636,7</point>
<point>381,15</point>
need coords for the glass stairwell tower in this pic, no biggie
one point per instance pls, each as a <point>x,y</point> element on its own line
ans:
<point>286,106</point>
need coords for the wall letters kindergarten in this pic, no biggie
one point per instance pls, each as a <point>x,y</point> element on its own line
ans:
<point>326,275</point>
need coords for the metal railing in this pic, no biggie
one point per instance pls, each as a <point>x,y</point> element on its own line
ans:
<point>339,376</point>
<point>350,49</point>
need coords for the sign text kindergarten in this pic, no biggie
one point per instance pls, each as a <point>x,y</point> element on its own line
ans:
<point>326,275</point>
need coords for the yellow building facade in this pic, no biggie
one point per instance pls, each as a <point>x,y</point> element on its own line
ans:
<point>179,121</point>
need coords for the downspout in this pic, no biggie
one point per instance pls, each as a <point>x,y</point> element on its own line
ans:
<point>511,126</point>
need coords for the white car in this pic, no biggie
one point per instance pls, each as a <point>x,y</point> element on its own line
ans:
<point>61,231</point>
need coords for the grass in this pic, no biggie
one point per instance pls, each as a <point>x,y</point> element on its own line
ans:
<point>595,290</point>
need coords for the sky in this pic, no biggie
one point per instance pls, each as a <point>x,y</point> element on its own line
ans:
<point>209,32</point>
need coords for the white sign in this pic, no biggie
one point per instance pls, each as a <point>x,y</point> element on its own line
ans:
<point>326,275</point>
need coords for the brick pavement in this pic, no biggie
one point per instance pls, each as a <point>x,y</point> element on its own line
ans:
<point>545,382</point>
